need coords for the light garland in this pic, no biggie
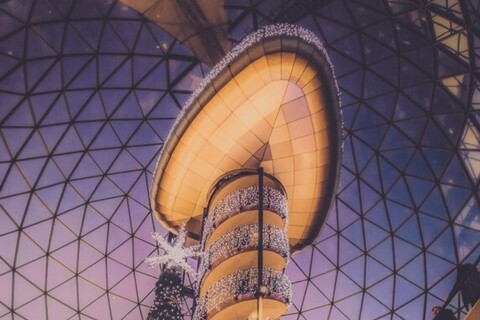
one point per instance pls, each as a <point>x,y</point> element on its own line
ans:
<point>241,286</point>
<point>243,200</point>
<point>241,239</point>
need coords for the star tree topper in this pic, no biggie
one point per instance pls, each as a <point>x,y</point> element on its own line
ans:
<point>175,253</point>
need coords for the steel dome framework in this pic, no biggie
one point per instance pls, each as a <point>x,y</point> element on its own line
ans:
<point>90,89</point>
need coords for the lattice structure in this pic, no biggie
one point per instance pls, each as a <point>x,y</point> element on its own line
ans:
<point>89,90</point>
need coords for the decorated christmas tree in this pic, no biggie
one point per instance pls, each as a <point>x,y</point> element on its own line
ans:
<point>169,287</point>
<point>168,292</point>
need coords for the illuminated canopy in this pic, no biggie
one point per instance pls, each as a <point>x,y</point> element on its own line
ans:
<point>271,103</point>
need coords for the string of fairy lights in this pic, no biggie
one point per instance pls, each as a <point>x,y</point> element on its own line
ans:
<point>243,285</point>
<point>241,200</point>
<point>243,239</point>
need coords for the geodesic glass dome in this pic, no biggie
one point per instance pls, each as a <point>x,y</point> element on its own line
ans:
<point>90,89</point>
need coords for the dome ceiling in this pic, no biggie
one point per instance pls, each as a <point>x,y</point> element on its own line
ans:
<point>90,89</point>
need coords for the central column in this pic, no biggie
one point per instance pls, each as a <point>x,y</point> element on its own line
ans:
<point>231,284</point>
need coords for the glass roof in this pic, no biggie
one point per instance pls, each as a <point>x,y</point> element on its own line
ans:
<point>90,89</point>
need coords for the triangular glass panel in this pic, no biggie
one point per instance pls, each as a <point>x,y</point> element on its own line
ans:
<point>96,309</point>
<point>31,169</point>
<point>375,86</point>
<point>355,270</point>
<point>57,113</point>
<point>7,226</point>
<point>303,260</point>
<point>349,84</point>
<point>348,251</point>
<point>108,207</point>
<point>418,167</point>
<point>64,292</point>
<point>405,291</point>
<point>410,232</point>
<point>71,142</point>
<point>345,287</point>
<point>96,272</point>
<point>419,189</point>
<point>93,109</point>
<point>35,272</point>
<point>411,75</point>
<point>125,180</point>
<point>147,44</point>
<point>127,29</point>
<point>367,117</point>
<point>10,104</point>
<point>15,138</point>
<point>91,253</point>
<point>438,158</point>
<point>395,139</point>
<point>423,57</point>
<point>105,158</point>
<point>50,175</point>
<point>444,246</point>
<point>27,251</point>
<point>14,183</point>
<point>406,108</point>
<point>116,272</point>
<point>51,81</point>
<point>108,64</point>
<point>313,297</point>
<point>455,174</point>
<point>106,139</point>
<point>70,199</point>
<point>88,130</point>
<point>38,47</point>
<point>414,307</point>
<point>49,32</point>
<point>21,115</point>
<point>354,233</point>
<point>156,78</point>
<point>433,136</point>
<point>375,272</point>
<point>75,43</point>
<point>37,212</point>
<point>62,309</point>
<point>347,214</point>
<point>145,135</point>
<point>437,269</point>
<point>121,76</point>
<point>128,109</point>
<point>125,129</point>
<point>34,148</point>
<point>15,81</point>
<point>119,242</point>
<point>62,238</point>
<point>455,198</point>
<point>374,234</point>
<point>162,127</point>
<point>88,292</point>
<point>111,42</point>
<point>373,309</point>
<point>399,193</point>
<point>24,291</point>
<point>106,189</point>
<point>92,220</point>
<point>383,253</point>
<point>86,78</point>
<point>404,252</point>
<point>371,186</point>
